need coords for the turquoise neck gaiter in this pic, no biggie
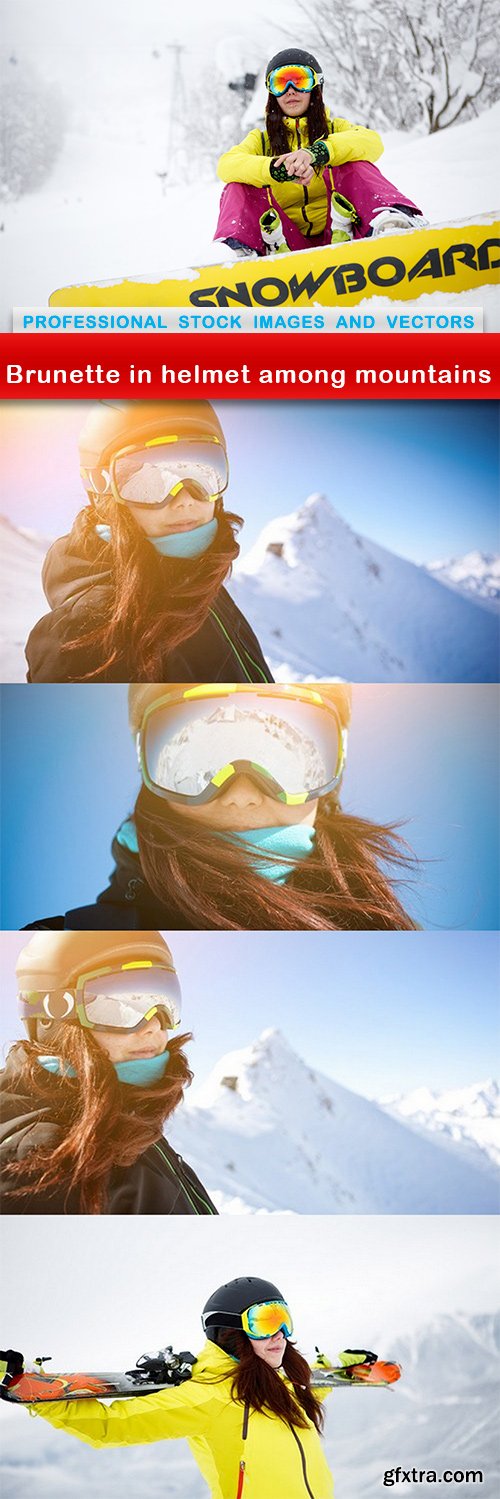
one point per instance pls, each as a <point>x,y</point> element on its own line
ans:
<point>143,1072</point>
<point>293,843</point>
<point>180,543</point>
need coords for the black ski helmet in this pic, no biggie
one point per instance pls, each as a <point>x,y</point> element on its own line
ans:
<point>223,1309</point>
<point>295,55</point>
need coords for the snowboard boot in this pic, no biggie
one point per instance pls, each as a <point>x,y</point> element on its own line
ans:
<point>271,229</point>
<point>243,252</point>
<point>344,219</point>
<point>396,220</point>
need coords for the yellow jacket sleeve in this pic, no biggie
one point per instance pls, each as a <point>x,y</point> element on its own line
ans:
<point>246,162</point>
<point>352,143</point>
<point>187,1411</point>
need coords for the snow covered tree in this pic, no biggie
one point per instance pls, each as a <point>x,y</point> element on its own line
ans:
<point>408,64</point>
<point>32,120</point>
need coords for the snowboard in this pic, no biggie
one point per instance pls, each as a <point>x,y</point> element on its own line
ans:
<point>444,258</point>
<point>160,1371</point>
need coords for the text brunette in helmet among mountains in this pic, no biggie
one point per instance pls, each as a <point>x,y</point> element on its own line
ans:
<point>136,589</point>
<point>251,1412</point>
<point>238,823</point>
<point>83,1101</point>
<point>309,178</point>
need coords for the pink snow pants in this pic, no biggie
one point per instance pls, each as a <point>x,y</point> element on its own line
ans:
<point>359,181</point>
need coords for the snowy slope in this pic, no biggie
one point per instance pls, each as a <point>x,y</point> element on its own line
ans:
<point>267,1132</point>
<point>443,1414</point>
<point>476,573</point>
<point>85,224</point>
<point>23,599</point>
<point>326,602</point>
<point>470,1116</point>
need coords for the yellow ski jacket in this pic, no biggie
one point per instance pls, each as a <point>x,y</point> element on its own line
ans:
<point>250,162</point>
<point>241,1455</point>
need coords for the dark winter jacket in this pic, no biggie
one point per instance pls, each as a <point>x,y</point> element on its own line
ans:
<point>127,904</point>
<point>158,1182</point>
<point>225,649</point>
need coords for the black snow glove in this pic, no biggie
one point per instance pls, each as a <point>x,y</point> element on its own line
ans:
<point>279,174</point>
<point>320,156</point>
<point>11,1364</point>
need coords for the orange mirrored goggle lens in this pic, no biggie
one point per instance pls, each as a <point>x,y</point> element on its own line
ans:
<point>294,76</point>
<point>267,1318</point>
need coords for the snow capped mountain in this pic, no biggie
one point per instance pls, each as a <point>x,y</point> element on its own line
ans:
<point>266,1131</point>
<point>444,1414</point>
<point>469,1116</point>
<point>23,601</point>
<point>325,602</point>
<point>477,573</point>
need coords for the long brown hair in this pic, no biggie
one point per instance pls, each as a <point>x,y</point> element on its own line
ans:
<point>155,602</point>
<point>317,123</point>
<point>98,1130</point>
<point>342,885</point>
<point>257,1385</point>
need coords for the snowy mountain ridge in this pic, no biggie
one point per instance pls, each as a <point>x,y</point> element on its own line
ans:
<point>476,573</point>
<point>327,602</point>
<point>470,1116</point>
<point>325,1149</point>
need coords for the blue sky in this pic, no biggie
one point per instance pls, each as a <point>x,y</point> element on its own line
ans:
<point>419,477</point>
<point>426,756</point>
<point>380,1012</point>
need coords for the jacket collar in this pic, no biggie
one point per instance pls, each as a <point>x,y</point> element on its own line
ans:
<point>214,1360</point>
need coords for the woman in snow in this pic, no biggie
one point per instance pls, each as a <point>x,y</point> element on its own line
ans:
<point>309,178</point>
<point>136,589</point>
<point>251,1411</point>
<point>238,823</point>
<point>83,1101</point>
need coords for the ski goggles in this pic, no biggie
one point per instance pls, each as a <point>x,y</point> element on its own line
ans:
<point>118,999</point>
<point>266,1319</point>
<point>156,472</point>
<point>296,76</point>
<point>290,741</point>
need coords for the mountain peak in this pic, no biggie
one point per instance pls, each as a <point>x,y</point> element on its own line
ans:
<point>325,1148</point>
<point>328,603</point>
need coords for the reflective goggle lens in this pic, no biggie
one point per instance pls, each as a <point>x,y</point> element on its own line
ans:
<point>192,748</point>
<point>294,76</point>
<point>267,1318</point>
<point>125,999</point>
<point>150,475</point>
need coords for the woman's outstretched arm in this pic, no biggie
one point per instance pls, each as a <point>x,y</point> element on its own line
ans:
<point>186,1411</point>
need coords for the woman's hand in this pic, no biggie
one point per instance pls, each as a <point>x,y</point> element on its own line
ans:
<point>11,1365</point>
<point>299,165</point>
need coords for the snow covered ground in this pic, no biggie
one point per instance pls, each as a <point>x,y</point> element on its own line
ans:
<point>324,601</point>
<point>104,213</point>
<point>267,1132</point>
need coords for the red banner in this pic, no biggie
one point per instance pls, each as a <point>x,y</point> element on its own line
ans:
<point>286,366</point>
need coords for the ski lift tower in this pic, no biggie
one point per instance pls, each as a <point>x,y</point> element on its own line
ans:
<point>176,116</point>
